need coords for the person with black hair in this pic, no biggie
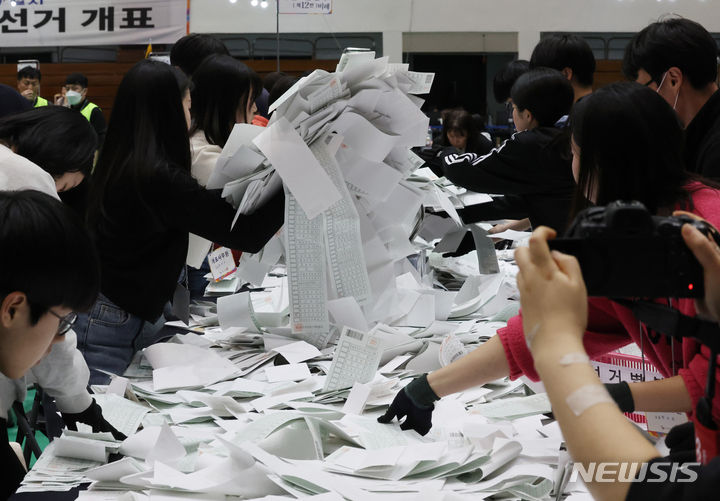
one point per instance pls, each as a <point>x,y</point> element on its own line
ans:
<point>571,55</point>
<point>506,78</point>
<point>533,165</point>
<point>223,94</point>
<point>678,59</point>
<point>57,139</point>
<point>12,102</point>
<point>143,203</point>
<point>192,49</point>
<point>280,87</point>
<point>28,84</point>
<point>39,297</point>
<point>627,145</point>
<point>74,96</point>
<point>460,131</point>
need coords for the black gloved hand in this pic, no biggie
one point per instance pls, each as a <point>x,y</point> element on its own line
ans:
<point>681,438</point>
<point>415,404</point>
<point>91,416</point>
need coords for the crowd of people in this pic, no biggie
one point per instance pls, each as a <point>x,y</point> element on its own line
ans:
<point>85,285</point>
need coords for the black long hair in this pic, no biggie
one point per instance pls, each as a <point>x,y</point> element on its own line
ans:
<point>147,131</point>
<point>55,138</point>
<point>222,85</point>
<point>631,145</point>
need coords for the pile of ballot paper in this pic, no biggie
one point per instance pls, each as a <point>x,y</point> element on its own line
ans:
<point>291,431</point>
<point>340,144</point>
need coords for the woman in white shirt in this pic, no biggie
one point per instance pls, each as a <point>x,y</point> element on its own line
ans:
<point>224,94</point>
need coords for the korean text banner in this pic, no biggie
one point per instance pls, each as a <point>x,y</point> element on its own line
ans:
<point>90,22</point>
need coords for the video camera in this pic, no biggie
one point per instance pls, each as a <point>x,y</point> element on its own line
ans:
<point>624,251</point>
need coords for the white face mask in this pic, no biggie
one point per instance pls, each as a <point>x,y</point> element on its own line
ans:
<point>73,97</point>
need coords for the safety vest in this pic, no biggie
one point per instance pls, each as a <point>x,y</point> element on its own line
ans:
<point>87,110</point>
<point>40,102</point>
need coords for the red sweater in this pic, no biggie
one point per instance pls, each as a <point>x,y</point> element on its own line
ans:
<point>611,326</point>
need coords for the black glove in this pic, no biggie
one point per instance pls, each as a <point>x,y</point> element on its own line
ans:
<point>681,438</point>
<point>620,392</point>
<point>415,404</point>
<point>91,416</point>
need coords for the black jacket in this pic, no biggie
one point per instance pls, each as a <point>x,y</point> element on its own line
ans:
<point>142,237</point>
<point>702,140</point>
<point>533,167</point>
<point>12,471</point>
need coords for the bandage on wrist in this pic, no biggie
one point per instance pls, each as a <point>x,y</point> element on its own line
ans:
<point>574,358</point>
<point>586,397</point>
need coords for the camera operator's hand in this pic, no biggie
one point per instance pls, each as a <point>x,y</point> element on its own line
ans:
<point>708,254</point>
<point>552,292</point>
<point>415,404</point>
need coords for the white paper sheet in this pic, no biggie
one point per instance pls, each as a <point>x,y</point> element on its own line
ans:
<point>298,167</point>
<point>290,372</point>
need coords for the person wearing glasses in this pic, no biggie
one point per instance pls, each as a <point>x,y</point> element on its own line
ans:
<point>39,298</point>
<point>677,58</point>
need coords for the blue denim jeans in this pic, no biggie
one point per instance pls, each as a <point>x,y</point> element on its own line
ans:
<point>109,336</point>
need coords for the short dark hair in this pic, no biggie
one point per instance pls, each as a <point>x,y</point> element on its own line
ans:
<point>566,51</point>
<point>46,253</point>
<point>272,78</point>
<point>281,86</point>
<point>506,77</point>
<point>222,85</point>
<point>677,42</point>
<point>29,72</point>
<point>77,79</point>
<point>56,138</point>
<point>631,145</point>
<point>545,92</point>
<point>192,49</point>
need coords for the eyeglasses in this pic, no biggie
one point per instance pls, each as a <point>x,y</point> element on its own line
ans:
<point>66,322</point>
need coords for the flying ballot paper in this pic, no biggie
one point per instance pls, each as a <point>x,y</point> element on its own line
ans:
<point>298,168</point>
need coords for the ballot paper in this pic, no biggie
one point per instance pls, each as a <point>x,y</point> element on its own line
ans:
<point>487,259</point>
<point>342,234</point>
<point>306,274</point>
<point>346,312</point>
<point>81,448</point>
<point>513,408</point>
<point>234,310</point>
<point>291,372</point>
<point>296,352</point>
<point>356,359</point>
<point>365,178</point>
<point>237,159</point>
<point>177,366</point>
<point>298,167</point>
<point>125,415</point>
